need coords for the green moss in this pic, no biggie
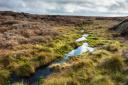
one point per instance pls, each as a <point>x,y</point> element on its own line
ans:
<point>67,47</point>
<point>65,43</point>
<point>95,41</point>
<point>110,45</point>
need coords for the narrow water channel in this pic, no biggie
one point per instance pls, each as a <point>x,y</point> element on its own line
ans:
<point>44,72</point>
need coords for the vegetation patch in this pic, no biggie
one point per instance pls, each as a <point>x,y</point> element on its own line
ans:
<point>28,42</point>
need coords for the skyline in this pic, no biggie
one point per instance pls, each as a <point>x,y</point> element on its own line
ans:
<point>68,7</point>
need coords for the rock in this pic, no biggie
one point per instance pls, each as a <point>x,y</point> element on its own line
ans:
<point>121,28</point>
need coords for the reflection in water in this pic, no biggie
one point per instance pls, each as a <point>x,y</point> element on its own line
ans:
<point>78,51</point>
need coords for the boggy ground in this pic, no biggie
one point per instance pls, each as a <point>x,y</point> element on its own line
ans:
<point>30,41</point>
<point>107,65</point>
<point>27,44</point>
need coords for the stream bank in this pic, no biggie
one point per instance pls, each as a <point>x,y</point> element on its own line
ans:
<point>46,71</point>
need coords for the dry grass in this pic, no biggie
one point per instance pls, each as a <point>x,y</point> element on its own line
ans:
<point>30,41</point>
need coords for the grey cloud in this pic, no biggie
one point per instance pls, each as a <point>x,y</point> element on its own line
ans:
<point>68,7</point>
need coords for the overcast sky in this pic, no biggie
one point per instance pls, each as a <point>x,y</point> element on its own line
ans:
<point>68,7</point>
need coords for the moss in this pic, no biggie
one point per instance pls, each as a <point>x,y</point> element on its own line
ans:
<point>64,49</point>
<point>66,43</point>
<point>95,41</point>
<point>110,45</point>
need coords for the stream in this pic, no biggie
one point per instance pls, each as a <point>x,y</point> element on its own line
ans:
<point>46,71</point>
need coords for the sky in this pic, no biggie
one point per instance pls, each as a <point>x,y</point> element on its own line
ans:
<point>68,7</point>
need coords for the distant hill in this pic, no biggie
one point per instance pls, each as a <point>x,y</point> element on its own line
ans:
<point>19,28</point>
<point>57,18</point>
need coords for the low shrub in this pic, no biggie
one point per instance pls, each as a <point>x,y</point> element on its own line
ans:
<point>9,22</point>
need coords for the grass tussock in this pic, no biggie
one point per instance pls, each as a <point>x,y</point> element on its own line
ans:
<point>19,83</point>
<point>113,64</point>
<point>100,67</point>
<point>35,48</point>
<point>25,70</point>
